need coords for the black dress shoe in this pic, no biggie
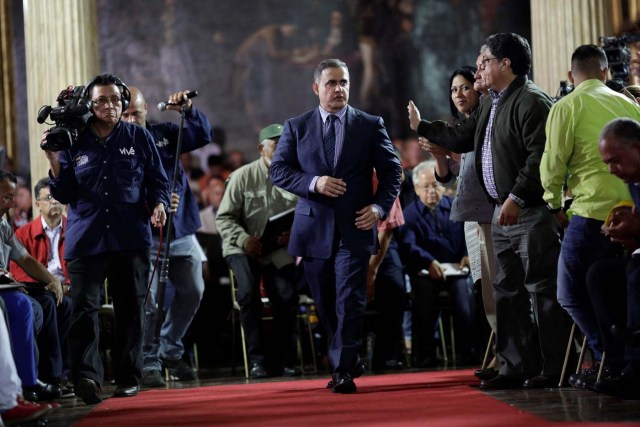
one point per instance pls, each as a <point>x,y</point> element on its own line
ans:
<point>486,373</point>
<point>291,372</point>
<point>620,386</point>
<point>257,371</point>
<point>501,382</point>
<point>343,383</point>
<point>88,390</point>
<point>542,381</point>
<point>126,391</point>
<point>42,391</point>
<point>357,372</point>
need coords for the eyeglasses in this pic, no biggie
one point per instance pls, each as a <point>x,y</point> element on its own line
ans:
<point>484,62</point>
<point>113,100</point>
<point>46,198</point>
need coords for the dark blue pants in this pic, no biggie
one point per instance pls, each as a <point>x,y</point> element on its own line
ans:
<point>338,286</point>
<point>25,318</point>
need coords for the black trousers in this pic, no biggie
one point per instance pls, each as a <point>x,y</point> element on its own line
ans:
<point>390,302</point>
<point>280,288</point>
<point>53,343</point>
<point>127,273</point>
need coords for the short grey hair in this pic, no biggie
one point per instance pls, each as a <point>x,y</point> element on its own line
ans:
<point>328,63</point>
<point>423,167</point>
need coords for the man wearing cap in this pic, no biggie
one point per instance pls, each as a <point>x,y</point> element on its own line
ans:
<point>250,199</point>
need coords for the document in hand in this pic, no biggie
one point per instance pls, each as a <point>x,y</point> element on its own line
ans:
<point>276,225</point>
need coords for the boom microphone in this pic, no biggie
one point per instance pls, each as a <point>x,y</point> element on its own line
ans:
<point>162,106</point>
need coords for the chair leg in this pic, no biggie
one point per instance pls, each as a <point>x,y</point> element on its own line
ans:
<point>442,339</point>
<point>604,353</point>
<point>567,354</point>
<point>583,350</point>
<point>485,361</point>
<point>244,352</point>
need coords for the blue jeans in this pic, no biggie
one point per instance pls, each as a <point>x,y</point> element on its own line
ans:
<point>185,274</point>
<point>582,246</point>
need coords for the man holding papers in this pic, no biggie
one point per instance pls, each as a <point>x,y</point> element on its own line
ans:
<point>249,201</point>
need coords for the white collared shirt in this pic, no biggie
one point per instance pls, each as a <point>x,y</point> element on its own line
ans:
<point>54,264</point>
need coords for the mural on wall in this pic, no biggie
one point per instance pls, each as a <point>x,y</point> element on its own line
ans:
<point>252,62</point>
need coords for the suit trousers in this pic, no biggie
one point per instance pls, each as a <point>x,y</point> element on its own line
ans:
<point>339,288</point>
<point>127,273</point>
<point>532,328</point>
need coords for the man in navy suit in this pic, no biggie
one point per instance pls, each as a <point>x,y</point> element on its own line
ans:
<point>326,157</point>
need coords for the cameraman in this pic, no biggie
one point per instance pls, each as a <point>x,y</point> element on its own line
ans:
<point>108,179</point>
<point>185,271</point>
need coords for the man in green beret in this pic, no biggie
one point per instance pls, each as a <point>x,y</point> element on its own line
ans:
<point>249,201</point>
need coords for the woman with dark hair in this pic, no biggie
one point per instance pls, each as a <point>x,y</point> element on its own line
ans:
<point>471,203</point>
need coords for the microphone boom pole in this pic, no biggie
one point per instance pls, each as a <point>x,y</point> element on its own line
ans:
<point>164,260</point>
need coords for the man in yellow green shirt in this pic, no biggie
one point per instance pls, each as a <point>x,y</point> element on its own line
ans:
<point>571,155</point>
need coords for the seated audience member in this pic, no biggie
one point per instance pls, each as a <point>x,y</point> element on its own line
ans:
<point>22,211</point>
<point>214,267</point>
<point>12,249</point>
<point>386,291</point>
<point>470,203</point>
<point>13,408</point>
<point>212,196</point>
<point>43,238</point>
<point>248,202</point>
<point>571,151</point>
<point>608,280</point>
<point>429,239</point>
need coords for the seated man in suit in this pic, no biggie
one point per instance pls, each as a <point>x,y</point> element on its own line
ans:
<point>43,238</point>
<point>429,239</point>
<point>248,202</point>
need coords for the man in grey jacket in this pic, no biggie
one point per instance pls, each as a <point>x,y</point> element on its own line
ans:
<point>508,137</point>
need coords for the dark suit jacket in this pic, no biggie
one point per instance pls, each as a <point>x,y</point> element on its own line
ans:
<point>300,156</point>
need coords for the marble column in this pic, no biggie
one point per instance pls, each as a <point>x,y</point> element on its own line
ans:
<point>61,49</point>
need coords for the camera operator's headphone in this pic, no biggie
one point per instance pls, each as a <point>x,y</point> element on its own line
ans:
<point>104,80</point>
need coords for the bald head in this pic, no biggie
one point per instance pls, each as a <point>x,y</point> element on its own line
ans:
<point>620,148</point>
<point>137,111</point>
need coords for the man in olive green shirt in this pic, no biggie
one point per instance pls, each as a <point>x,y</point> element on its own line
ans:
<point>571,154</point>
<point>250,199</point>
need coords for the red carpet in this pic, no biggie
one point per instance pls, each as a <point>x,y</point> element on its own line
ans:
<point>444,398</point>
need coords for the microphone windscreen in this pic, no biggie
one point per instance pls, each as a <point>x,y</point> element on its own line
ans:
<point>162,106</point>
